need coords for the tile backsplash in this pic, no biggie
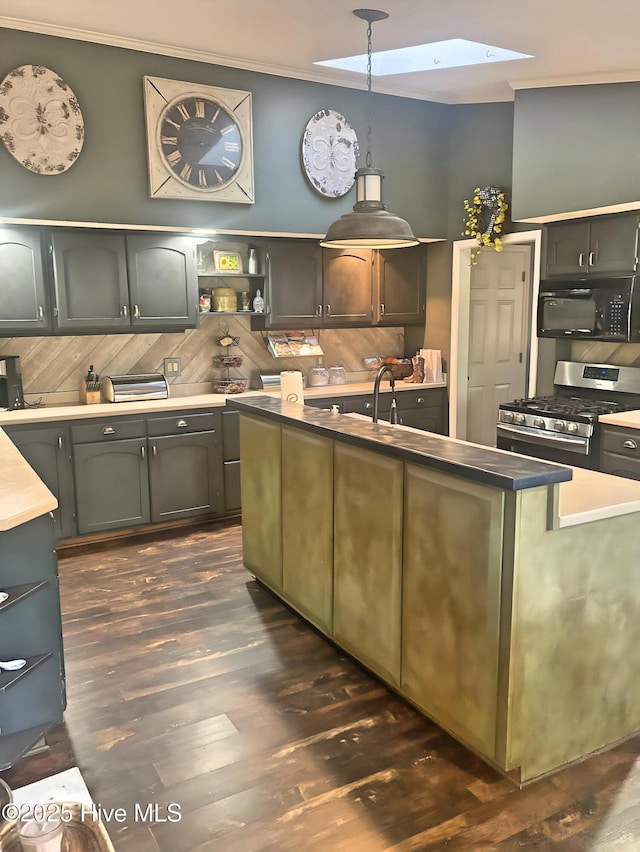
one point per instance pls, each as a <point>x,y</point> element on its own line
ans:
<point>58,364</point>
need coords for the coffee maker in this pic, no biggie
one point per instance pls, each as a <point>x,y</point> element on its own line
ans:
<point>11,395</point>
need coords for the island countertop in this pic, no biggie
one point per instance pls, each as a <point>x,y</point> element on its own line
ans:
<point>508,471</point>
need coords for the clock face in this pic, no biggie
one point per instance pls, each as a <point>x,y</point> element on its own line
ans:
<point>329,153</point>
<point>199,141</point>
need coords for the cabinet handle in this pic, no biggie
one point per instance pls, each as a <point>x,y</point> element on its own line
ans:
<point>630,445</point>
<point>108,430</point>
<point>153,450</point>
<point>136,312</point>
<point>59,442</point>
<point>124,312</point>
<point>319,311</point>
<point>420,400</point>
<point>368,405</point>
<point>328,310</point>
<point>181,424</point>
<point>382,309</point>
<point>592,258</point>
<point>581,259</point>
<point>142,451</point>
<point>40,312</point>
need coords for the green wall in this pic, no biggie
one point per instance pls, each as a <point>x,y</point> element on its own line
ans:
<point>109,184</point>
<point>575,148</point>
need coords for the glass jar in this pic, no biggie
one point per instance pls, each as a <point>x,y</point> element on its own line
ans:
<point>337,376</point>
<point>318,376</point>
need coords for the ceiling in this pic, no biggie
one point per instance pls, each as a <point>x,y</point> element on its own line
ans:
<point>573,41</point>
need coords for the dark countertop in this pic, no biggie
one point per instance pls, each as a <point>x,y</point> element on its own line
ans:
<point>509,471</point>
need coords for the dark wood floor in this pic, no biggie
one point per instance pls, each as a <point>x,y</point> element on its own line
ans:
<point>189,683</point>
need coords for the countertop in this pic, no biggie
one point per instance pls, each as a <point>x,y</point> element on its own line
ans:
<point>594,496</point>
<point>53,413</point>
<point>630,419</point>
<point>501,469</point>
<point>23,495</point>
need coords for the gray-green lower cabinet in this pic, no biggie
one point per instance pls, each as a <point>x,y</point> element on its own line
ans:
<point>112,484</point>
<point>184,476</point>
<point>31,698</point>
<point>47,449</point>
<point>231,459</point>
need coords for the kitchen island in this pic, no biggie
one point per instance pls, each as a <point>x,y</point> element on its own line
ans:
<point>499,594</point>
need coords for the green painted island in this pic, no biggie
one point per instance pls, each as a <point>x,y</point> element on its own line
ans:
<point>499,594</point>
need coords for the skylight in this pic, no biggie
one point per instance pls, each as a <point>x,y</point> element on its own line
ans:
<point>452,53</point>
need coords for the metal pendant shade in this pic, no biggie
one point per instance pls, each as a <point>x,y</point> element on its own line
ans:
<point>370,225</point>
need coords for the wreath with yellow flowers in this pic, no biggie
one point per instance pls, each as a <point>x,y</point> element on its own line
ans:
<point>486,218</point>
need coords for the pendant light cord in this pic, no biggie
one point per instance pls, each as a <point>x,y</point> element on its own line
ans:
<point>369,158</point>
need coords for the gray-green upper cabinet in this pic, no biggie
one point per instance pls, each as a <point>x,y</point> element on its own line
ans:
<point>347,287</point>
<point>294,295</point>
<point>108,281</point>
<point>163,281</point>
<point>401,279</point>
<point>23,300</point>
<point>89,281</point>
<point>601,246</point>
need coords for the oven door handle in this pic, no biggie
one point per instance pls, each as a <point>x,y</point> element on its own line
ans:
<point>572,443</point>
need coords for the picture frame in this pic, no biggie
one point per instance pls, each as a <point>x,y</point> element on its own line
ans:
<point>227,261</point>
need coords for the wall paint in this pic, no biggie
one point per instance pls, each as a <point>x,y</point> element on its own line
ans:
<point>108,183</point>
<point>575,148</point>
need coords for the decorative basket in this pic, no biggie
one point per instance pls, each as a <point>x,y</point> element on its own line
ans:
<point>227,360</point>
<point>228,385</point>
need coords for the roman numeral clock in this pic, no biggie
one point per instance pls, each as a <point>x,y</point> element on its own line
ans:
<point>199,141</point>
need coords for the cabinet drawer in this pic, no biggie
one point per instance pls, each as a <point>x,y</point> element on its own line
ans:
<point>420,398</point>
<point>364,404</point>
<point>623,442</point>
<point>179,424</point>
<point>231,435</point>
<point>620,465</point>
<point>108,430</point>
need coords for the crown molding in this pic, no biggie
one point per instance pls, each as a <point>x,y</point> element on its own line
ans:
<point>344,80</point>
<point>630,76</point>
<point>626,207</point>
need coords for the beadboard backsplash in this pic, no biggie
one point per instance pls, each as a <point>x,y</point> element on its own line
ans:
<point>58,364</point>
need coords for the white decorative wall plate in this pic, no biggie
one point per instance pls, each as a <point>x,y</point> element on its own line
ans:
<point>199,141</point>
<point>40,120</point>
<point>329,153</point>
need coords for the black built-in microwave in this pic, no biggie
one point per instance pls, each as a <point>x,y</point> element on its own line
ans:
<point>602,309</point>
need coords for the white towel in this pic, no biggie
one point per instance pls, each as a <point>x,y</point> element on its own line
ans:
<point>432,364</point>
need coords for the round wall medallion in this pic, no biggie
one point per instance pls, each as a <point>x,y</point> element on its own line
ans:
<point>40,120</point>
<point>329,153</point>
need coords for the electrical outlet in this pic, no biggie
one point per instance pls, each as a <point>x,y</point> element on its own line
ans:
<point>172,368</point>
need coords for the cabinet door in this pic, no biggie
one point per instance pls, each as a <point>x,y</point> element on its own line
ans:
<point>347,288</point>
<point>90,280</point>
<point>568,248</point>
<point>613,244</point>
<point>112,485</point>
<point>451,602</point>
<point>231,456</point>
<point>307,525</point>
<point>163,281</point>
<point>185,476</point>
<point>367,558</point>
<point>430,418</point>
<point>401,277</point>
<point>23,304</point>
<point>48,452</point>
<point>294,295</point>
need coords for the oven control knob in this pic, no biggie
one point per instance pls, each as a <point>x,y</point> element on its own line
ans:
<point>507,416</point>
<point>520,418</point>
<point>539,423</point>
<point>559,425</point>
<point>572,427</point>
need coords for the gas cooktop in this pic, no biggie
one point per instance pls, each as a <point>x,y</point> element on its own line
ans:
<point>573,406</point>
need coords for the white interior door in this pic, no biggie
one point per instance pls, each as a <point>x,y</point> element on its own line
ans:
<point>498,337</point>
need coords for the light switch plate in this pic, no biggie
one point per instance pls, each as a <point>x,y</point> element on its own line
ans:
<point>172,368</point>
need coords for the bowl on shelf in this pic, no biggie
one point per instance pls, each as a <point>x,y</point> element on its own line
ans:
<point>228,385</point>
<point>227,361</point>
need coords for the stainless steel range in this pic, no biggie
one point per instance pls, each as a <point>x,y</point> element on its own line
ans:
<point>564,427</point>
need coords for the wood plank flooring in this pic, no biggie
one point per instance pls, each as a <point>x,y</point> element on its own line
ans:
<point>189,683</point>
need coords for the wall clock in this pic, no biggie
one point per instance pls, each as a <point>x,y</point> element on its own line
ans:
<point>40,120</point>
<point>199,141</point>
<point>329,153</point>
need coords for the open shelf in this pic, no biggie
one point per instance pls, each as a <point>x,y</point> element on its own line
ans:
<point>18,593</point>
<point>232,313</point>
<point>14,746</point>
<point>230,274</point>
<point>8,679</point>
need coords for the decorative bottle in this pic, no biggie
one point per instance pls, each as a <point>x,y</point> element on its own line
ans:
<point>258,303</point>
<point>253,261</point>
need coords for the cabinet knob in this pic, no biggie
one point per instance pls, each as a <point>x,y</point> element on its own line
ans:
<point>420,400</point>
<point>181,424</point>
<point>630,445</point>
<point>368,405</point>
<point>108,430</point>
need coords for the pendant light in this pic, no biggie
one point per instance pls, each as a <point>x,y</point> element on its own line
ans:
<point>370,225</point>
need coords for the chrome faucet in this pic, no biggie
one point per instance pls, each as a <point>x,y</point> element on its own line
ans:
<point>376,393</point>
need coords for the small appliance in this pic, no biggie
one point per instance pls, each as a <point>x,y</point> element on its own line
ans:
<point>11,394</point>
<point>134,388</point>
